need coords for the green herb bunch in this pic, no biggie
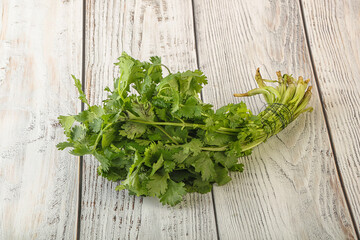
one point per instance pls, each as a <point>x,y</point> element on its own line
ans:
<point>164,141</point>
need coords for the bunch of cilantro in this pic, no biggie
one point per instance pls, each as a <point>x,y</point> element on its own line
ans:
<point>163,141</point>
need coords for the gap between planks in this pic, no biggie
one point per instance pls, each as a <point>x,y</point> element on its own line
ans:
<point>81,159</point>
<point>202,99</point>
<point>327,119</point>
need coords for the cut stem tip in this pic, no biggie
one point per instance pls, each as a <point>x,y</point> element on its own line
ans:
<point>241,94</point>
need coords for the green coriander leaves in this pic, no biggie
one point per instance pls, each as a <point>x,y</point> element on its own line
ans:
<point>163,141</point>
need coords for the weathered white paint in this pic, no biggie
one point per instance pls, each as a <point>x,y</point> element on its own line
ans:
<point>334,34</point>
<point>142,28</point>
<point>290,188</point>
<point>40,46</point>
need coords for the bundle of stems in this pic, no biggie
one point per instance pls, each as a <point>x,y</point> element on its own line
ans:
<point>285,103</point>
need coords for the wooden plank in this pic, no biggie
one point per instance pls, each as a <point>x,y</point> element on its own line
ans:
<point>142,28</point>
<point>334,33</point>
<point>40,46</point>
<point>290,188</point>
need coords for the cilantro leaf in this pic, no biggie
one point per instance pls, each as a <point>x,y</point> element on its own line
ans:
<point>80,151</point>
<point>226,161</point>
<point>143,111</point>
<point>192,82</point>
<point>157,165</point>
<point>174,193</point>
<point>66,122</point>
<point>217,139</point>
<point>180,156</point>
<point>204,165</point>
<point>63,145</point>
<point>103,160</point>
<point>107,137</point>
<point>191,108</point>
<point>239,167</point>
<point>169,166</point>
<point>78,133</point>
<point>85,116</point>
<point>157,185</point>
<point>133,130</point>
<point>95,125</point>
<point>200,186</point>
<point>222,175</point>
<point>131,71</point>
<point>193,146</point>
<point>82,95</point>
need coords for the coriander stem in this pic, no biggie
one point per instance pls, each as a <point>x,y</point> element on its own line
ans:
<point>97,141</point>
<point>226,133</point>
<point>168,123</point>
<point>99,136</point>
<point>229,129</point>
<point>166,68</point>
<point>120,92</point>
<point>163,130</point>
<point>214,149</point>
<point>223,130</point>
<point>253,144</point>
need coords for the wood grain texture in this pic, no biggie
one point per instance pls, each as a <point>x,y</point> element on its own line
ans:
<point>334,34</point>
<point>142,29</point>
<point>290,188</point>
<point>40,46</point>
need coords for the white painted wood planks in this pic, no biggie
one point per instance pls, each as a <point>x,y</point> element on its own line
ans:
<point>334,37</point>
<point>289,188</point>
<point>40,46</point>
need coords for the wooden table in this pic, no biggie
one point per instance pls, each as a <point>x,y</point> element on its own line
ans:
<point>302,184</point>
